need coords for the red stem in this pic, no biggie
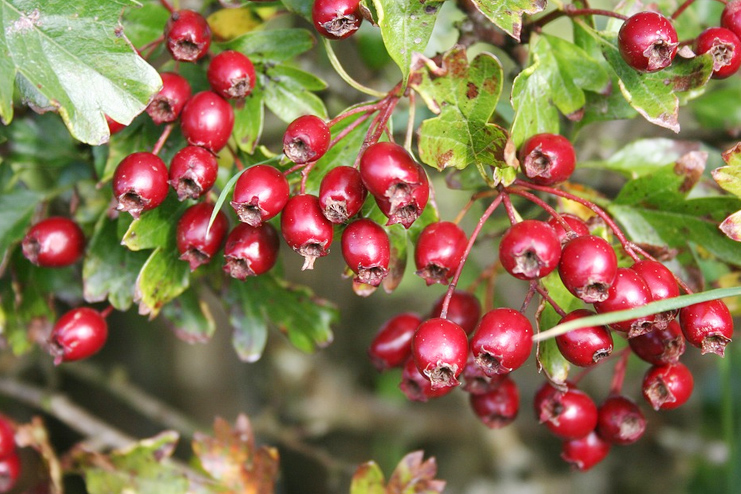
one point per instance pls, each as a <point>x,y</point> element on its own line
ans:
<point>293,169</point>
<point>475,197</point>
<point>353,111</point>
<point>528,297</point>
<point>305,175</point>
<point>618,375</point>
<point>682,8</point>
<point>162,139</point>
<point>341,134</point>
<point>237,161</point>
<point>648,256</point>
<point>167,5</point>
<point>105,312</point>
<point>538,201</point>
<point>544,293</point>
<point>511,213</point>
<point>571,11</point>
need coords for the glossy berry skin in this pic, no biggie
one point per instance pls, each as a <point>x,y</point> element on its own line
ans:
<point>498,407</point>
<point>662,285</point>
<point>7,437</point>
<point>731,17</point>
<point>502,341</point>
<point>568,415</point>
<point>250,251</point>
<point>54,242</point>
<point>140,183</point>
<point>628,291</point>
<point>578,228</point>
<point>585,452</point>
<point>306,139</point>
<point>530,250</point>
<point>440,349</point>
<point>336,19</point>
<point>187,36</point>
<point>439,251</point>
<point>475,381</point>
<point>588,267</point>
<point>620,421</point>
<point>193,172</point>
<point>648,41</point>
<point>548,159</point>
<point>170,101</point>
<point>464,309</point>
<point>725,47</point>
<point>416,386</point>
<point>392,345</point>
<point>194,243</point>
<point>10,470</point>
<point>707,325</point>
<point>261,192</point>
<point>666,387</point>
<point>77,335</point>
<point>659,346</point>
<point>341,194</point>
<point>367,251</point>
<point>584,347</point>
<point>231,75</point>
<point>207,121</point>
<point>305,229</point>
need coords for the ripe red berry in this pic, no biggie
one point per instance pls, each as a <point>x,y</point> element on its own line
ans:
<point>628,291</point>
<point>731,17</point>
<point>569,415</point>
<point>187,36</point>
<point>725,47</point>
<point>464,309</point>
<point>529,250</point>
<point>502,341</point>
<point>498,407</point>
<point>588,267</point>
<point>707,325</point>
<point>367,251</point>
<point>648,41</point>
<point>78,334</point>
<point>207,121</point>
<point>7,438</point>
<point>586,346</point>
<point>336,19</point>
<point>475,381</point>
<point>585,452</point>
<point>250,251</point>
<point>113,126</point>
<point>169,102</point>
<point>54,242</point>
<point>578,228</point>
<point>440,349</point>
<point>231,75</point>
<point>140,183</point>
<point>662,285</point>
<point>306,139</point>
<point>417,387</point>
<point>667,386</point>
<point>620,421</point>
<point>305,229</point>
<point>193,172</point>
<point>439,251</point>
<point>341,194</point>
<point>392,345</point>
<point>659,346</point>
<point>10,469</point>
<point>548,159</point>
<point>194,244</point>
<point>261,192</point>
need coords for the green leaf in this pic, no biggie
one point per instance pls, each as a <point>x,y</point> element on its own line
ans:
<point>144,23</point>
<point>507,14</point>
<point>155,228</point>
<point>300,7</point>
<point>41,143</point>
<point>288,93</point>
<point>368,479</point>
<point>643,156</point>
<point>16,208</point>
<point>162,278</point>
<point>248,121</point>
<point>399,253</point>
<point>406,27</point>
<point>191,317</point>
<point>530,119</point>
<point>729,177</point>
<point>274,45</point>
<point>720,107</point>
<point>71,57</point>
<point>249,321</point>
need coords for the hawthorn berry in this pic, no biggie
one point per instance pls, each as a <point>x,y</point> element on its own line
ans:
<point>725,47</point>
<point>77,335</point>
<point>336,19</point>
<point>261,192</point>
<point>569,415</point>
<point>140,183</point>
<point>660,345</point>
<point>54,242</point>
<point>578,227</point>
<point>170,100</point>
<point>548,159</point>
<point>392,345</point>
<point>620,421</point>
<point>250,251</point>
<point>367,251</point>
<point>306,139</point>
<point>10,469</point>
<point>628,291</point>
<point>193,172</point>
<point>707,325</point>
<point>196,243</point>
<point>730,18</point>
<point>341,194</point>
<point>7,437</point>
<point>439,251</point>
<point>648,41</point>
<point>502,341</point>
<point>464,309</point>
<point>499,406</point>
<point>187,35</point>
<point>440,349</point>
<point>305,229</point>
<point>207,121</point>
<point>584,347</point>
<point>588,267</point>
<point>585,452</point>
<point>662,285</point>
<point>667,386</point>
<point>416,387</point>
<point>231,75</point>
<point>530,250</point>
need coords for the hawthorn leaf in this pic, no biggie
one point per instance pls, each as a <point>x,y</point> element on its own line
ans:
<point>248,121</point>
<point>162,278</point>
<point>299,7</point>
<point>156,227</point>
<point>507,14</point>
<point>273,45</point>
<point>247,317</point>
<point>73,58</point>
<point>528,87</point>
<point>413,475</point>
<point>368,479</point>
<point>644,156</point>
<point>144,23</point>
<point>729,177</point>
<point>731,226</point>
<point>288,93</point>
<point>16,208</point>
<point>191,317</point>
<point>399,254</point>
<point>720,107</point>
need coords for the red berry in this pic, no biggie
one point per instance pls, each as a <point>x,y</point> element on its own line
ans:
<point>628,291</point>
<point>140,183</point>
<point>231,75</point>
<point>725,47</point>
<point>548,159</point>
<point>569,415</point>
<point>54,242</point>
<point>439,251</point>
<point>78,334</point>
<point>476,381</point>
<point>667,386</point>
<point>464,309</point>
<point>261,192</point>
<point>305,229</point>
<point>585,452</point>
<point>10,469</point>
<point>586,346</point>
<point>250,251</point>
<point>648,41</point>
<point>529,250</point>
<point>7,438</point>
<point>578,228</point>
<point>207,121</point>
<point>306,139</point>
<point>336,19</point>
<point>659,346</point>
<point>502,341</point>
<point>662,285</point>
<point>588,267</point>
<point>113,126</point>
<point>187,36</point>
<point>498,407</point>
<point>169,102</point>
<point>417,387</point>
<point>367,251</point>
<point>193,172</point>
<point>341,194</point>
<point>194,243</point>
<point>707,325</point>
<point>392,345</point>
<point>620,421</point>
<point>440,349</point>
<point>731,17</point>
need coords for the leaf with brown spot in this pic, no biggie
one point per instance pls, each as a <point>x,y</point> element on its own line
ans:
<point>368,479</point>
<point>507,14</point>
<point>729,177</point>
<point>731,226</point>
<point>414,476</point>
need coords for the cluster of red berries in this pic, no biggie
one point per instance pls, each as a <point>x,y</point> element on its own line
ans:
<point>10,464</point>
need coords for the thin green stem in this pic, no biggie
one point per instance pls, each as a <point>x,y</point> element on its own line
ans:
<point>345,76</point>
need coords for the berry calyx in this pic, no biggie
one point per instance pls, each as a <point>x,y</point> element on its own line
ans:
<point>578,228</point>
<point>416,386</point>
<point>250,251</point>
<point>707,325</point>
<point>724,46</point>
<point>464,309</point>
<point>261,192</point>
<point>666,387</point>
<point>187,36</point>
<point>584,347</point>
<point>170,100</point>
<point>498,407</point>
<point>620,421</point>
<point>367,251</point>
<point>77,335</point>
<point>336,19</point>
<point>306,139</point>
<point>140,183</point>
<point>585,452</point>
<point>648,41</point>
<point>440,349</point>
<point>548,159</point>
<point>628,291</point>
<point>392,345</point>
<point>305,229</point>
<point>207,121</point>
<point>231,75</point>
<point>439,251</point>
<point>502,341</point>
<point>193,172</point>
<point>194,243</point>
<point>54,242</point>
<point>588,267</point>
<point>529,250</point>
<point>659,346</point>
<point>569,415</point>
<point>341,194</point>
